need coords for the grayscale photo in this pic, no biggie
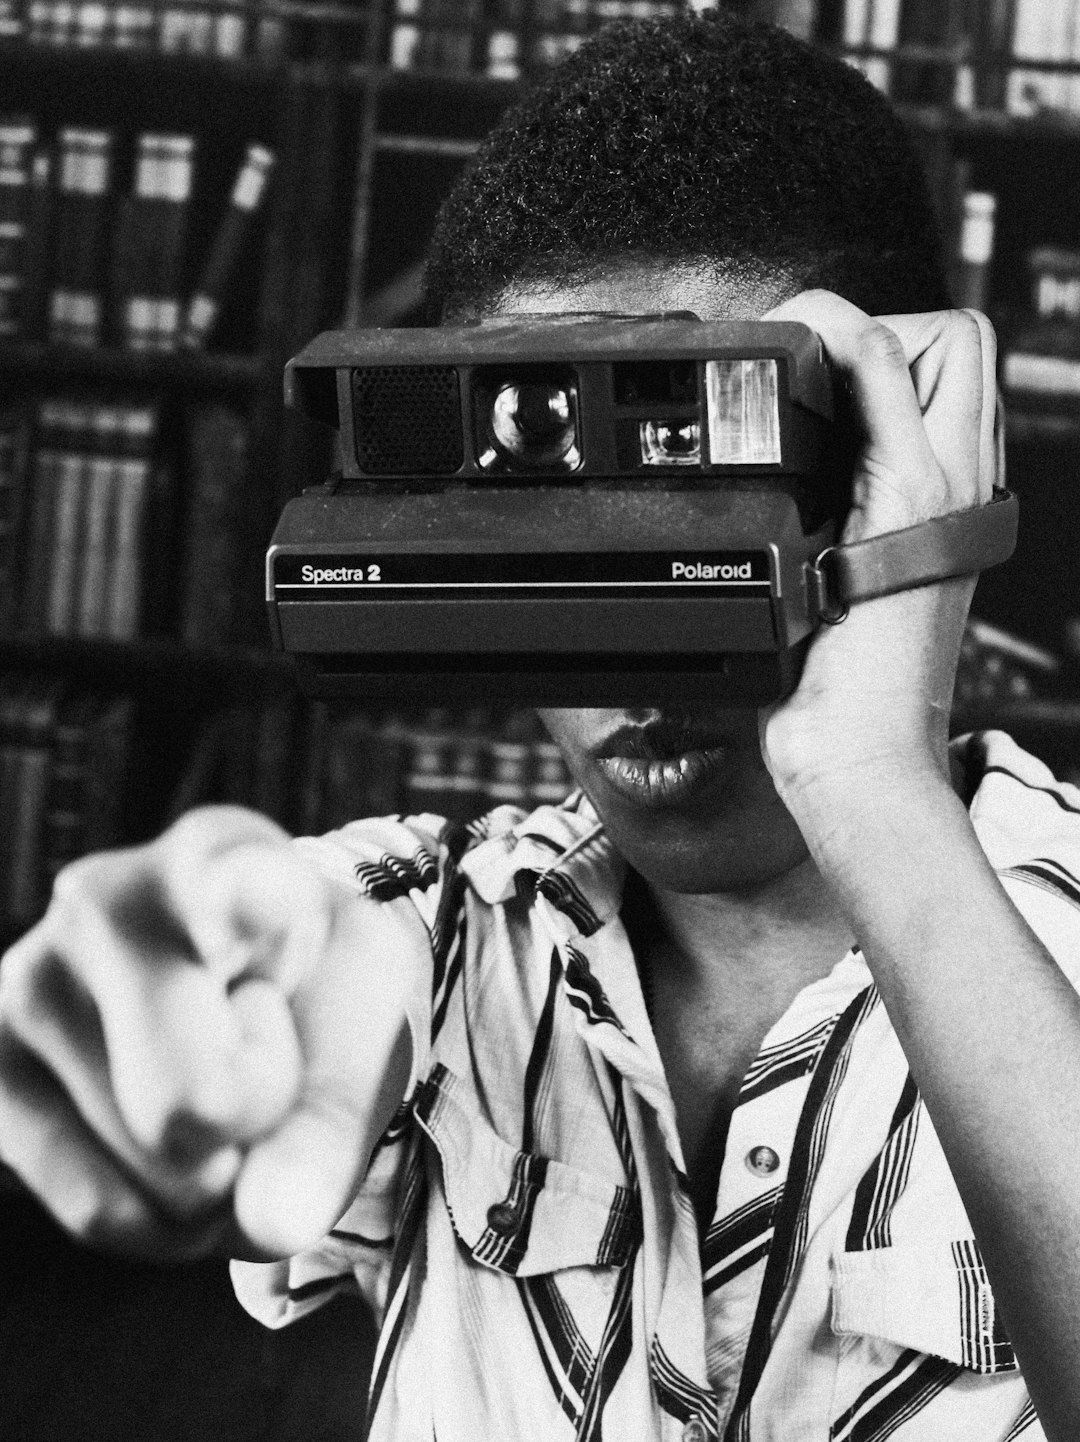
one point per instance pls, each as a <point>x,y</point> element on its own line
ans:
<point>539,721</point>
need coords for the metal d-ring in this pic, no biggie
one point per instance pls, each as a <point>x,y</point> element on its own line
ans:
<point>830,609</point>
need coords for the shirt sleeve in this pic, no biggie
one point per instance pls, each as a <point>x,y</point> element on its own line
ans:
<point>400,864</point>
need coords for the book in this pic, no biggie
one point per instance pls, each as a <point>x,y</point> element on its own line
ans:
<point>76,300</point>
<point>148,244</point>
<point>15,424</point>
<point>1043,355</point>
<point>37,252</point>
<point>1040,32</point>
<point>65,819</point>
<point>92,738</point>
<point>975,249</point>
<point>213,511</point>
<point>118,612</point>
<point>60,439</point>
<point>186,29</point>
<point>227,247</point>
<point>134,25</point>
<point>18,139</point>
<point>229,34</point>
<point>935,25</point>
<point>363,768</point>
<point>27,718</point>
<point>991,49</point>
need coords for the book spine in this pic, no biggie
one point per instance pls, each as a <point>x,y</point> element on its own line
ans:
<point>91,28</point>
<point>18,138</point>
<point>31,742</point>
<point>216,458</point>
<point>976,249</point>
<point>76,300</point>
<point>132,479</point>
<point>37,257</point>
<point>12,20</point>
<point>70,485</point>
<point>227,247</point>
<point>1028,89</point>
<point>230,30</point>
<point>186,29</point>
<point>134,25</point>
<point>14,488</point>
<point>108,756</point>
<point>148,244</point>
<point>65,810</point>
<point>98,524</point>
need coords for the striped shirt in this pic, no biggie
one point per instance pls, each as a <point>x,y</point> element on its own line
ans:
<point>525,1232</point>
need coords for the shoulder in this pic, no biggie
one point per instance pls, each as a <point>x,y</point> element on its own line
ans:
<point>1028,823</point>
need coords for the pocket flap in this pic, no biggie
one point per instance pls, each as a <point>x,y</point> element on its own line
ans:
<point>518,1211</point>
<point>933,1297</point>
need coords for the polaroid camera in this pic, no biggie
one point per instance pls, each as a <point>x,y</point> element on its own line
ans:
<point>581,510</point>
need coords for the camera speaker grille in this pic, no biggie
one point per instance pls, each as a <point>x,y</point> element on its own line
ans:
<point>407,420</point>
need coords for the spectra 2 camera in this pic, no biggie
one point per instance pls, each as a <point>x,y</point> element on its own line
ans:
<point>571,510</point>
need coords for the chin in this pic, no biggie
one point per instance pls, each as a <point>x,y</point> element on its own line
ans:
<point>727,851</point>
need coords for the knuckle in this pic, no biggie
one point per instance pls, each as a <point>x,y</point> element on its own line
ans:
<point>877,345</point>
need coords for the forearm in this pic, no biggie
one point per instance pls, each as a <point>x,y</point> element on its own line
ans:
<point>991,1028</point>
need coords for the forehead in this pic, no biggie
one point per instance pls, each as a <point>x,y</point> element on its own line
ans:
<point>648,287</point>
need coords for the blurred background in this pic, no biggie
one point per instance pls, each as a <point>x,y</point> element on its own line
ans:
<point>189,191</point>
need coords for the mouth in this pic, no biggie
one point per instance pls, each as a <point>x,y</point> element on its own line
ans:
<point>664,762</point>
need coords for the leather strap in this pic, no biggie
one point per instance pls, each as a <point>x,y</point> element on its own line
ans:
<point>956,544</point>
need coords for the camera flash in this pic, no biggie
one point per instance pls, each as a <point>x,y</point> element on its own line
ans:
<point>744,412</point>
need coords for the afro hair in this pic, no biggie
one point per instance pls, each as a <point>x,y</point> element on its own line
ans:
<point>697,139</point>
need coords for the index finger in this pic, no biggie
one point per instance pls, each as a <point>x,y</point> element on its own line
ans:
<point>873,359</point>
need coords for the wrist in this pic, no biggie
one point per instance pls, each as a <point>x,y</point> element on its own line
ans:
<point>893,797</point>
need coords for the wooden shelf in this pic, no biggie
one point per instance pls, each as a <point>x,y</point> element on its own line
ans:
<point>188,370</point>
<point>151,660</point>
<point>1056,717</point>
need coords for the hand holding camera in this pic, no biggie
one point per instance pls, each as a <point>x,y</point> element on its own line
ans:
<point>875,694</point>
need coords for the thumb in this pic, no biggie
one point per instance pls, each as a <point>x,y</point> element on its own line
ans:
<point>350,1018</point>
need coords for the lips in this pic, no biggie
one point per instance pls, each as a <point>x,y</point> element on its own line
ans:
<point>664,762</point>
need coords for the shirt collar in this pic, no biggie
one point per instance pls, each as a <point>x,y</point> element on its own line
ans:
<point>559,852</point>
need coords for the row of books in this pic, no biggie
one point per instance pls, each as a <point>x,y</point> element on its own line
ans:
<point>313,767</point>
<point>501,40</point>
<point>262,30</point>
<point>99,520</point>
<point>64,754</point>
<point>1022,56</point>
<point>85,261</point>
<point>68,760</point>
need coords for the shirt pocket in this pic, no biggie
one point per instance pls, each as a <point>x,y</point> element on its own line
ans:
<point>932,1297</point>
<point>516,1211</point>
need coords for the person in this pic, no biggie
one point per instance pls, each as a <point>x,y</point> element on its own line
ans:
<point>735,1097</point>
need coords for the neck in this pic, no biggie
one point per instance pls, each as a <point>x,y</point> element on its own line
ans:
<point>758,947</point>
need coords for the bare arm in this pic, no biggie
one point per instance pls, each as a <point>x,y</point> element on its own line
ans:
<point>989,1023</point>
<point>202,1041</point>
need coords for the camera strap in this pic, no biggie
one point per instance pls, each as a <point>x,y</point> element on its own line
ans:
<point>956,544</point>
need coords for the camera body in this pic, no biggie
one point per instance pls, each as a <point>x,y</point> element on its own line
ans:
<point>561,510</point>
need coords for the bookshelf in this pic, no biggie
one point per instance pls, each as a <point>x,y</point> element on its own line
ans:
<point>367,118</point>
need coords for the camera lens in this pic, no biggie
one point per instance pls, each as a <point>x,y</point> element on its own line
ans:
<point>532,425</point>
<point>670,443</point>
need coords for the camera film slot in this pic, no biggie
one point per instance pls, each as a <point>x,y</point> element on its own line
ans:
<point>625,573</point>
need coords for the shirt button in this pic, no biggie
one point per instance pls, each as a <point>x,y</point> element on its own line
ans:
<point>503,1218</point>
<point>762,1161</point>
<point>695,1431</point>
